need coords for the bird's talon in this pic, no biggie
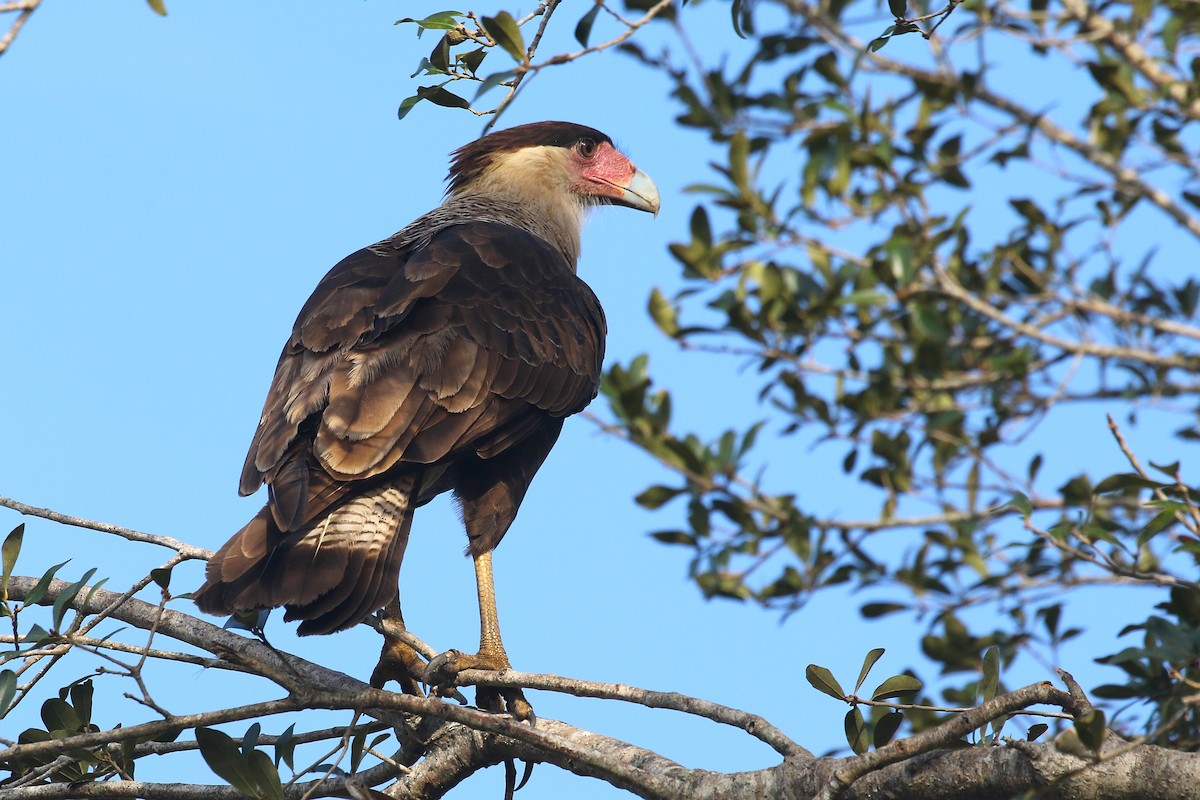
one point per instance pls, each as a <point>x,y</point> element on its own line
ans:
<point>441,671</point>
<point>400,663</point>
<point>520,709</point>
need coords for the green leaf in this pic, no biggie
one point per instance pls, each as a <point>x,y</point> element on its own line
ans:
<point>1091,727</point>
<point>441,21</point>
<point>494,80</point>
<point>1161,521</point>
<point>737,10</point>
<point>439,58</point>
<point>39,591</point>
<point>899,8</point>
<point>57,715</point>
<point>1020,503</point>
<point>901,261</point>
<point>87,598</point>
<point>868,662</point>
<point>406,105</point>
<point>1029,210</point>
<point>221,754</point>
<point>35,635</point>
<point>823,681</point>
<point>161,576</point>
<point>856,731</point>
<point>896,686</point>
<point>8,690</point>
<point>886,728</point>
<point>472,59</point>
<point>583,29</point>
<point>357,748</point>
<point>657,496</point>
<point>1036,730</point>
<point>285,746</point>
<point>62,603</point>
<point>264,775</point>
<point>1125,480</point>
<point>441,97</point>
<point>158,6</point>
<point>877,43</point>
<point>8,555</point>
<point>874,610</point>
<point>674,537</point>
<point>504,31</point>
<point>864,297</point>
<point>1170,470</point>
<point>663,313</point>
<point>250,738</point>
<point>928,321</point>
<point>81,699</point>
<point>989,684</point>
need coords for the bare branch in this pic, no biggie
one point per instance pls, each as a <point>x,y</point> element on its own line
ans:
<point>563,58</point>
<point>24,9</point>
<point>753,724</point>
<point>186,550</point>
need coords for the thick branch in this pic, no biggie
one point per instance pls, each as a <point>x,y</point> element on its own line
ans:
<point>314,686</point>
<point>946,734</point>
<point>482,739</point>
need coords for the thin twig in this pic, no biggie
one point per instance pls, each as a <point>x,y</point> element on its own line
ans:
<point>753,724</point>
<point>546,10</point>
<point>1187,521</point>
<point>26,8</point>
<point>186,550</point>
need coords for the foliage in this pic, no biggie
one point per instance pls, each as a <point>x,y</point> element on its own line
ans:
<point>927,269</point>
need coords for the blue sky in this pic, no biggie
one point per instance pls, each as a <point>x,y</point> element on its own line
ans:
<point>176,186</point>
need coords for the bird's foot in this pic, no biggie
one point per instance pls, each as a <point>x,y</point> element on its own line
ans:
<point>441,672</point>
<point>401,662</point>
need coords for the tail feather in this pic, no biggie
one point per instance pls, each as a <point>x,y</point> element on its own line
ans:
<point>331,573</point>
<point>375,587</point>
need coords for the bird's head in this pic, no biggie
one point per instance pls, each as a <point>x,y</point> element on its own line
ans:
<point>551,161</point>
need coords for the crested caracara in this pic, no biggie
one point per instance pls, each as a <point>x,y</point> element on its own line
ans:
<point>441,359</point>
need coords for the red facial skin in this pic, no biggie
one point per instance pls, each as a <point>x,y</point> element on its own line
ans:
<point>605,172</point>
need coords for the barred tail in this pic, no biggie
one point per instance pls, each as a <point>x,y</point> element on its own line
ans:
<point>332,573</point>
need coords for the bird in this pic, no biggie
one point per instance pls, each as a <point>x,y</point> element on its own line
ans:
<point>443,358</point>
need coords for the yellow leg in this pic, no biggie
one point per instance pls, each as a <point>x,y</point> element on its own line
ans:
<point>491,648</point>
<point>491,656</point>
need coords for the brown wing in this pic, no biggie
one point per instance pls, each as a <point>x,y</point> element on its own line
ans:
<point>417,355</point>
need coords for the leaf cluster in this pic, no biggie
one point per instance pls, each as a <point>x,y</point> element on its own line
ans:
<point>926,276</point>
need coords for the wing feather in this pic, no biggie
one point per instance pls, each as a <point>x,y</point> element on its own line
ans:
<point>413,353</point>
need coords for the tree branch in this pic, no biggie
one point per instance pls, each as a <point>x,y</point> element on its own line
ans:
<point>445,753</point>
<point>1099,27</point>
<point>1125,177</point>
<point>753,724</point>
<point>24,8</point>
<point>187,551</point>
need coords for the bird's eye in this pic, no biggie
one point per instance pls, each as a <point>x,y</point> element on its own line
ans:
<point>587,147</point>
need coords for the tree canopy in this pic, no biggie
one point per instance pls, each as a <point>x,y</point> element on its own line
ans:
<point>948,249</point>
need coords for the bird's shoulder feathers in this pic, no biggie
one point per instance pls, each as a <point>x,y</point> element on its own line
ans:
<point>427,345</point>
